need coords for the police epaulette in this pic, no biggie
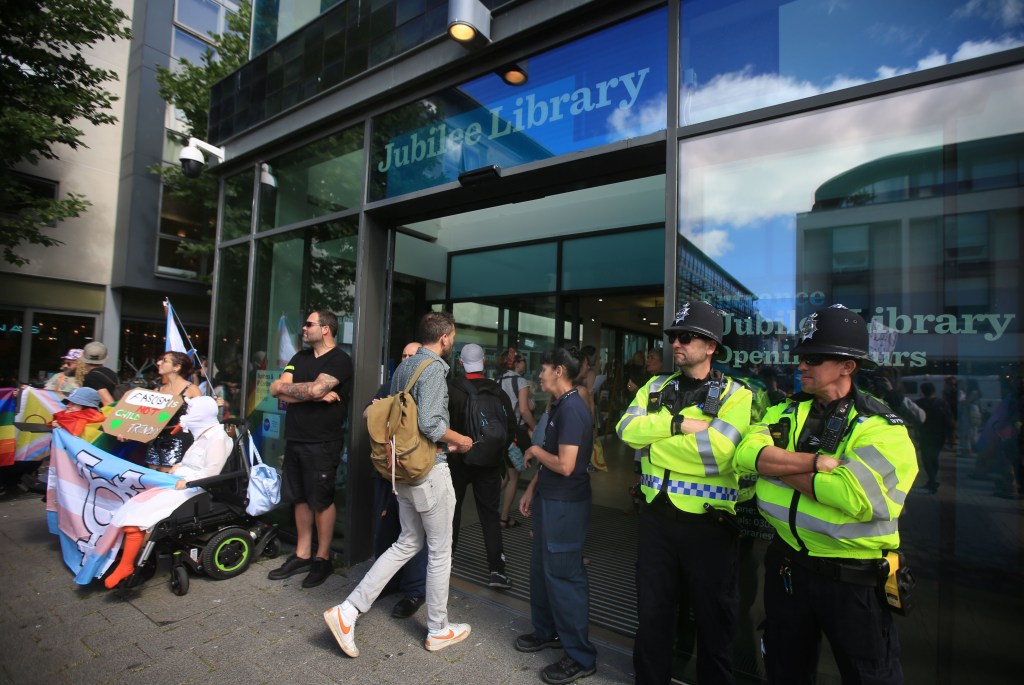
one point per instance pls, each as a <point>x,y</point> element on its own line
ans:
<point>869,405</point>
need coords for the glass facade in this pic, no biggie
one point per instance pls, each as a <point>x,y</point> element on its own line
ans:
<point>227,342</point>
<point>908,209</point>
<point>602,88</point>
<point>901,198</point>
<point>322,178</point>
<point>741,55</point>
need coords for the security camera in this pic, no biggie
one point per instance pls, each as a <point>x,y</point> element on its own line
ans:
<point>192,161</point>
<point>192,158</point>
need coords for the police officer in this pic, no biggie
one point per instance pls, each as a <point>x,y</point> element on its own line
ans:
<point>835,466</point>
<point>688,424</point>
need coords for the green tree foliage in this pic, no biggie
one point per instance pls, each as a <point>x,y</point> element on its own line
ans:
<point>49,90</point>
<point>187,87</point>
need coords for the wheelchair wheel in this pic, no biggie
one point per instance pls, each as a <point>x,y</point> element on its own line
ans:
<point>272,549</point>
<point>179,580</point>
<point>227,554</point>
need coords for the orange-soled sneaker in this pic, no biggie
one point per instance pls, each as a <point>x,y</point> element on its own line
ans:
<point>343,626</point>
<point>452,634</point>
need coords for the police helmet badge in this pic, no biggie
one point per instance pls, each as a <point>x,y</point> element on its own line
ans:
<point>683,313</point>
<point>809,327</point>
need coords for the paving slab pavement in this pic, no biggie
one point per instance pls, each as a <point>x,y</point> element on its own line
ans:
<point>244,630</point>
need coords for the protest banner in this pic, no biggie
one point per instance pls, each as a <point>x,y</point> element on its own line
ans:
<point>141,414</point>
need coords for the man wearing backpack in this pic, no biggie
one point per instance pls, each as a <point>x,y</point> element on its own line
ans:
<point>481,409</point>
<point>97,376</point>
<point>426,506</point>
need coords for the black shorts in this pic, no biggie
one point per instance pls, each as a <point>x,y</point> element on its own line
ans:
<point>309,470</point>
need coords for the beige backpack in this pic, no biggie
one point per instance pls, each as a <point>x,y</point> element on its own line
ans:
<point>398,450</point>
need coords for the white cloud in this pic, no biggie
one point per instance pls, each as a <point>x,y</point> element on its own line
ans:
<point>650,118</point>
<point>712,242</point>
<point>1007,13</point>
<point>971,49</point>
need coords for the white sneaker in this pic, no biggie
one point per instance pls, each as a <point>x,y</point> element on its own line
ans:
<point>343,627</point>
<point>452,634</point>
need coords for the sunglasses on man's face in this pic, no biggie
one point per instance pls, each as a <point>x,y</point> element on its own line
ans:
<point>683,338</point>
<point>819,359</point>
<point>311,324</point>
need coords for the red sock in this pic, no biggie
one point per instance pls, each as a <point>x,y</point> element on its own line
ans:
<point>133,538</point>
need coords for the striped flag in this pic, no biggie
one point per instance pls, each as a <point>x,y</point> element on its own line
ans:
<point>85,487</point>
<point>285,343</point>
<point>8,408</point>
<point>174,343</point>
<point>36,406</point>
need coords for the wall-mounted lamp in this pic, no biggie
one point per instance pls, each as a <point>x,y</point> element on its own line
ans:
<point>514,74</point>
<point>482,175</point>
<point>469,22</point>
<point>267,177</point>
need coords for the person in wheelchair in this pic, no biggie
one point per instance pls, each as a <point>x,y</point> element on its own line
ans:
<point>206,457</point>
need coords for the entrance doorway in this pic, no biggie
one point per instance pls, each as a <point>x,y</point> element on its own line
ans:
<point>583,268</point>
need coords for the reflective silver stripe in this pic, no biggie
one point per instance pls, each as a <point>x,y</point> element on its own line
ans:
<point>776,481</point>
<point>839,531</point>
<point>898,497</point>
<point>726,429</point>
<point>622,425</point>
<point>761,429</point>
<point>872,490</point>
<point>731,389</point>
<point>871,456</point>
<point>636,410</point>
<point>659,381</point>
<point>707,455</point>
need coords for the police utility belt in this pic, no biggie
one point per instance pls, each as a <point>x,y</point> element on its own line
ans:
<point>890,574</point>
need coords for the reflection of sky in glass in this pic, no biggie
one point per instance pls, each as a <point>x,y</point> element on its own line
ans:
<point>741,192</point>
<point>746,54</point>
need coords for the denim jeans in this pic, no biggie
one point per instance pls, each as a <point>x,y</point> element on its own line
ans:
<point>426,511</point>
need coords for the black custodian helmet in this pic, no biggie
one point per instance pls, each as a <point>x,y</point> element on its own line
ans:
<point>835,331</point>
<point>701,318</point>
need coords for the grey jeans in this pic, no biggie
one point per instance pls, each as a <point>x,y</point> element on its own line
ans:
<point>425,511</point>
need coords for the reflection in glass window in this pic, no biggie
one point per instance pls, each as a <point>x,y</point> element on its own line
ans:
<point>12,322</point>
<point>188,47</point>
<point>202,16</point>
<point>319,179</point>
<point>52,336</point>
<point>506,271</point>
<point>229,324</point>
<point>602,88</point>
<point>741,55</point>
<point>908,208</point>
<point>237,218</point>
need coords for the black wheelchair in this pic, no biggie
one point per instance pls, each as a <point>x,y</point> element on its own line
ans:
<point>211,533</point>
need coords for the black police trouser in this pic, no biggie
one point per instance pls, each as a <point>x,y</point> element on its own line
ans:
<point>854,618</point>
<point>684,561</point>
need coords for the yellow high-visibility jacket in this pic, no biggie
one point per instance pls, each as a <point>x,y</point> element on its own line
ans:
<point>693,469</point>
<point>859,502</point>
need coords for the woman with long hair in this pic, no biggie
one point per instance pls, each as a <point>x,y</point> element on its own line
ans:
<point>168,448</point>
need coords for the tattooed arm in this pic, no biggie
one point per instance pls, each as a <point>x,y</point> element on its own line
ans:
<point>319,390</point>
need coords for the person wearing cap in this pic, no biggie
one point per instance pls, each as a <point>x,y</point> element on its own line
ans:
<point>65,380</point>
<point>834,467</point>
<point>205,458</point>
<point>97,376</point>
<point>480,469</point>
<point>83,408</point>
<point>688,424</point>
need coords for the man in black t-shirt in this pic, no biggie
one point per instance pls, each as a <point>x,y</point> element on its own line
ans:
<point>317,386</point>
<point>98,377</point>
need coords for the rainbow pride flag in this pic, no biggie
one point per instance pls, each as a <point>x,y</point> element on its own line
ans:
<point>85,487</point>
<point>35,406</point>
<point>8,409</point>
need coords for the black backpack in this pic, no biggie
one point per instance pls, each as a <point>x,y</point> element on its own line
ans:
<point>486,419</point>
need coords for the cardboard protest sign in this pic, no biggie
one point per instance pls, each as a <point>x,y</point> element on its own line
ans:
<point>141,414</point>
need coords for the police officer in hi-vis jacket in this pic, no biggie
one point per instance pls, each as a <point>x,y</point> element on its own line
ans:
<point>687,425</point>
<point>835,466</point>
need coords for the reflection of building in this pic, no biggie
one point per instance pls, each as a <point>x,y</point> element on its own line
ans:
<point>927,244</point>
<point>700,278</point>
<point>120,258</point>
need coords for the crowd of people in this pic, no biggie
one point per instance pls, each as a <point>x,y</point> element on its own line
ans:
<point>833,463</point>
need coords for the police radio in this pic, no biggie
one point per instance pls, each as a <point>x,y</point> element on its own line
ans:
<point>834,427</point>
<point>713,401</point>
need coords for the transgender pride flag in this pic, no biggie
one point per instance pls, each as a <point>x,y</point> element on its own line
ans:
<point>85,487</point>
